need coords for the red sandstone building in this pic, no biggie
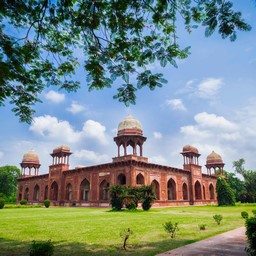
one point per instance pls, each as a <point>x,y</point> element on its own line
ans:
<point>88,186</point>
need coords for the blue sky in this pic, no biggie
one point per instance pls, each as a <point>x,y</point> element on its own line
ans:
<point>209,102</point>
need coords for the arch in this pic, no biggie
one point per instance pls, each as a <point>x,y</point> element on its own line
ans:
<point>26,194</point>
<point>198,191</point>
<point>85,190</point>
<point>54,191</point>
<point>185,191</point>
<point>46,192</point>
<point>155,186</point>
<point>20,193</point>
<point>171,188</point>
<point>36,193</point>
<point>211,190</point>
<point>121,179</point>
<point>140,179</point>
<point>104,193</point>
<point>204,193</point>
<point>69,192</point>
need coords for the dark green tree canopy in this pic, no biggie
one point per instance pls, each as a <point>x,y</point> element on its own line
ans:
<point>225,194</point>
<point>117,40</point>
<point>8,180</point>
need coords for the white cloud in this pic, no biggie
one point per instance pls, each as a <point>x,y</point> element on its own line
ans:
<point>193,131</point>
<point>157,135</point>
<point>159,159</point>
<point>75,108</point>
<point>91,156</point>
<point>95,130</point>
<point>55,97</point>
<point>213,121</point>
<point>176,104</point>
<point>52,128</point>
<point>209,88</point>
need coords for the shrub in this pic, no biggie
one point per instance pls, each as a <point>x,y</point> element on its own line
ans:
<point>171,228</point>
<point>2,203</point>
<point>217,218</point>
<point>251,233</point>
<point>254,213</point>
<point>125,234</point>
<point>41,248</point>
<point>147,203</point>
<point>23,202</point>
<point>245,215</point>
<point>202,226</point>
<point>47,203</point>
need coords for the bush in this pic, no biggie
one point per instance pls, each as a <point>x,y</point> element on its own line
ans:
<point>41,248</point>
<point>254,213</point>
<point>202,226</point>
<point>251,233</point>
<point>147,203</point>
<point>23,202</point>
<point>171,228</point>
<point>2,203</point>
<point>47,203</point>
<point>245,215</point>
<point>217,218</point>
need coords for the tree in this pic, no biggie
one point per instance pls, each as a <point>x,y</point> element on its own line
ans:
<point>249,181</point>
<point>236,184</point>
<point>8,180</point>
<point>119,39</point>
<point>225,195</point>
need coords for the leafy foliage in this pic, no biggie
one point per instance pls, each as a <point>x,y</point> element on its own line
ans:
<point>2,203</point>
<point>254,213</point>
<point>41,248</point>
<point>244,215</point>
<point>117,40</point>
<point>217,218</point>
<point>23,202</point>
<point>251,233</point>
<point>225,195</point>
<point>47,203</point>
<point>249,195</point>
<point>130,196</point>
<point>125,235</point>
<point>202,226</point>
<point>8,180</point>
<point>171,228</point>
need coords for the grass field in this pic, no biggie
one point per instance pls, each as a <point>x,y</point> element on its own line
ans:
<point>90,231</point>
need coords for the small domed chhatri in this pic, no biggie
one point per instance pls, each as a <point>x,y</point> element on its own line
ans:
<point>189,148</point>
<point>129,126</point>
<point>61,148</point>
<point>214,158</point>
<point>30,157</point>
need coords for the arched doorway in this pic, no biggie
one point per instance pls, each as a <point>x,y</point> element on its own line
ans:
<point>85,190</point>
<point>36,193</point>
<point>211,190</point>
<point>104,194</point>
<point>140,179</point>
<point>171,188</point>
<point>69,192</point>
<point>54,191</point>
<point>204,193</point>
<point>26,194</point>
<point>185,191</point>
<point>155,186</point>
<point>46,193</point>
<point>121,179</point>
<point>198,191</point>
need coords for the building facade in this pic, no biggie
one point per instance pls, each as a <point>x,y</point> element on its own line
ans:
<point>88,186</point>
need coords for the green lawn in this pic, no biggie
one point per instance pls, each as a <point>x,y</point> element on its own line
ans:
<point>90,231</point>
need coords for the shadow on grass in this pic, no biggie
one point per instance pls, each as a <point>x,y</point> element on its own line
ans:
<point>64,248</point>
